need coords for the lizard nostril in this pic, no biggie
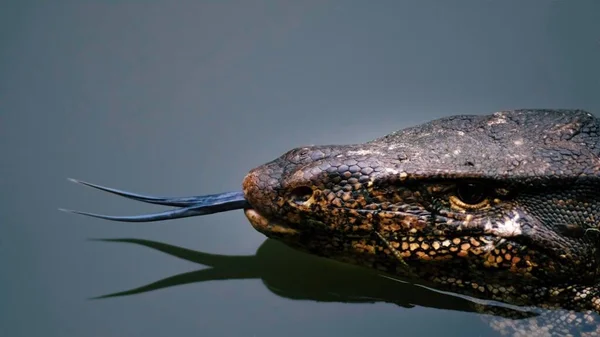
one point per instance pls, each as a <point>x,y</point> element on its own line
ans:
<point>301,194</point>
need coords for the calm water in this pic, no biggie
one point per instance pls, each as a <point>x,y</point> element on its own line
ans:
<point>180,99</point>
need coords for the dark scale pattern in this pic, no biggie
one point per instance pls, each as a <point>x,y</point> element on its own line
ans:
<point>500,207</point>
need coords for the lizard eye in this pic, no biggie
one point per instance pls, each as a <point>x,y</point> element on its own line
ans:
<point>470,193</point>
<point>469,196</point>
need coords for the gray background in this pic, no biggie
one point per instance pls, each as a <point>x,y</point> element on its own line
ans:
<point>184,97</point>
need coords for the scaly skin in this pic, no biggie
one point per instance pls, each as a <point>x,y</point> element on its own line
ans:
<point>498,207</point>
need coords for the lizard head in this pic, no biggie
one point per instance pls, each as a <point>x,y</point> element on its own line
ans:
<point>513,195</point>
<point>465,201</point>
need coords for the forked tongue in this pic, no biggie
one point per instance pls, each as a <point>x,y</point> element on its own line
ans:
<point>187,206</point>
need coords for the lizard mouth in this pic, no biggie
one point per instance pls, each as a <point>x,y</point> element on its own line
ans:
<point>267,226</point>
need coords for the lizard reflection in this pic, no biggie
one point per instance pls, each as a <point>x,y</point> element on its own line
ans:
<point>283,271</point>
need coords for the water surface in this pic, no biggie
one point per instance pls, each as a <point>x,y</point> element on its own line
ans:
<point>174,98</point>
